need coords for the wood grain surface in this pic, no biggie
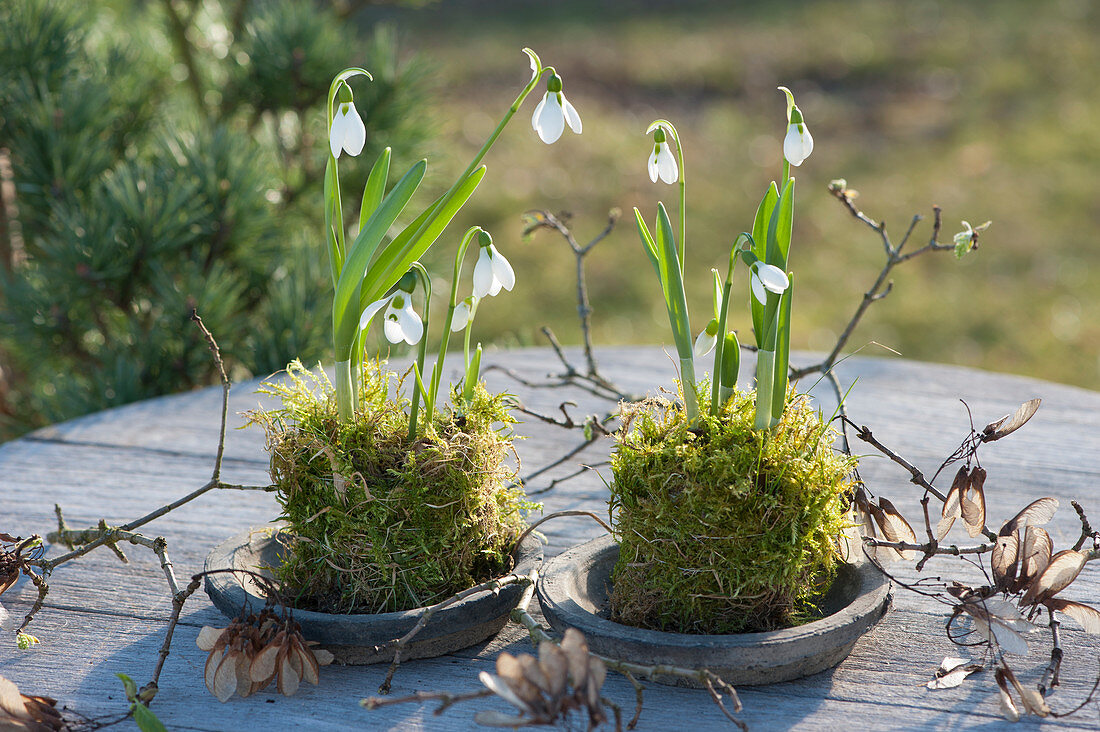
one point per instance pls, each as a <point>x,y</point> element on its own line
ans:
<point>103,617</point>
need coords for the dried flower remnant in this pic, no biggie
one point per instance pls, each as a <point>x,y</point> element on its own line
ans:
<point>544,690</point>
<point>253,651</point>
<point>20,711</point>
<point>952,672</point>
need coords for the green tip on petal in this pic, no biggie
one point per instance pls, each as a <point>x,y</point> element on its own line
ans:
<point>790,100</point>
<point>343,93</point>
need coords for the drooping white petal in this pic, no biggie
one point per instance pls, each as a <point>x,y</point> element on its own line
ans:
<point>549,121</point>
<point>798,144</point>
<point>461,317</point>
<point>392,326</point>
<point>483,274</point>
<point>412,327</point>
<point>338,131</point>
<point>771,277</point>
<point>653,172</point>
<point>571,115</point>
<point>355,135</point>
<point>666,164</point>
<point>372,310</point>
<point>758,290</point>
<point>704,344</point>
<point>502,270</point>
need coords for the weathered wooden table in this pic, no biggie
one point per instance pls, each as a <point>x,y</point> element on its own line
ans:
<point>104,617</point>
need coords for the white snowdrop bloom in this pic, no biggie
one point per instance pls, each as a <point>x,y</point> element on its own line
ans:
<point>704,344</point>
<point>798,144</point>
<point>461,317</point>
<point>662,162</point>
<point>553,112</point>
<point>767,278</point>
<point>492,272</point>
<point>400,321</point>
<point>347,132</point>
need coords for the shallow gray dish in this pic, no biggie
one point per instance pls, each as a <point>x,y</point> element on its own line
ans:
<point>354,639</point>
<point>574,588</point>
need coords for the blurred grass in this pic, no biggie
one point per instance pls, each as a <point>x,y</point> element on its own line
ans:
<point>988,109</point>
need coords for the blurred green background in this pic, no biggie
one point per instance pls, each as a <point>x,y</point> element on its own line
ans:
<point>987,109</point>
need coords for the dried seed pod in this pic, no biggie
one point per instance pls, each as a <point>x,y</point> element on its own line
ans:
<point>1002,561</point>
<point>1062,570</point>
<point>952,508</point>
<point>1009,423</point>
<point>20,711</point>
<point>1035,513</point>
<point>972,502</point>
<point>894,526</point>
<point>1086,616</point>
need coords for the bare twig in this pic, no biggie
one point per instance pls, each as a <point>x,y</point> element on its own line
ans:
<point>918,478</point>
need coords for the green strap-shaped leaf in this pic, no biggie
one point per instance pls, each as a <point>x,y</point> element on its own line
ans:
<point>647,242</point>
<point>759,248</point>
<point>672,282</point>
<point>332,222</point>
<point>782,351</point>
<point>375,188</point>
<point>345,303</point>
<point>780,226</point>
<point>395,258</point>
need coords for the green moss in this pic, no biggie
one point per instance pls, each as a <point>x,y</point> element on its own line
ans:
<point>722,528</point>
<point>380,524</point>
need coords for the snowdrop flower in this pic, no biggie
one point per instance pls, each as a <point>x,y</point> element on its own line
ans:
<point>798,144</point>
<point>492,270</point>
<point>401,323</point>
<point>707,339</point>
<point>347,131</point>
<point>462,314</point>
<point>767,278</point>
<point>662,162</point>
<point>553,112</point>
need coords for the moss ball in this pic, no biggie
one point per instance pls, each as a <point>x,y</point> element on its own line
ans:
<point>380,523</point>
<point>723,528</point>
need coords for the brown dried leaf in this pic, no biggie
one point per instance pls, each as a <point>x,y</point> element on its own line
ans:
<point>1008,424</point>
<point>597,672</point>
<point>324,658</point>
<point>211,667</point>
<point>952,672</point>
<point>996,628</point>
<point>1086,616</point>
<point>1062,570</point>
<point>310,671</point>
<point>1033,701</point>
<point>952,508</point>
<point>511,669</point>
<point>1037,512</point>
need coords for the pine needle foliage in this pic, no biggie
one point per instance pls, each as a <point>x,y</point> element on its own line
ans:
<point>378,524</point>
<point>724,528</point>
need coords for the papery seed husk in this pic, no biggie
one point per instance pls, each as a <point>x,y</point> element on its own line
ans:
<point>1062,570</point>
<point>262,669</point>
<point>501,688</point>
<point>1009,423</point>
<point>225,677</point>
<point>555,666</point>
<point>1039,511</point>
<point>511,670</point>
<point>287,679</point>
<point>1003,560</point>
<point>1036,553</point>
<point>953,678</point>
<point>1086,616</point>
<point>895,527</point>
<point>244,680</point>
<point>576,653</point>
<point>973,509</point>
<point>1008,709</point>
<point>211,667</point>
<point>310,671</point>
<point>534,673</point>
<point>1033,701</point>
<point>208,637</point>
<point>324,658</point>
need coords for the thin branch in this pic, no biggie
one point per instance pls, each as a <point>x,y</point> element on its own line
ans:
<point>918,478</point>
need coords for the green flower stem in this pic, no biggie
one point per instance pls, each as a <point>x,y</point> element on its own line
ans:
<point>682,183</point>
<point>466,341</point>
<point>472,372</point>
<point>717,376</point>
<point>437,370</point>
<point>765,369</point>
<point>421,354</point>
